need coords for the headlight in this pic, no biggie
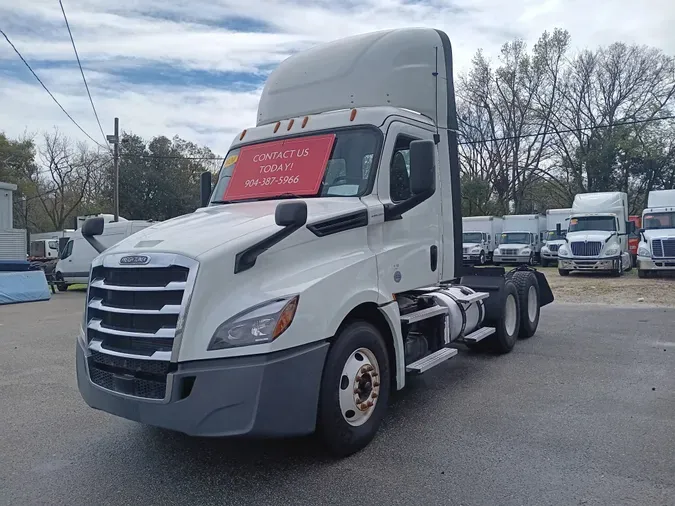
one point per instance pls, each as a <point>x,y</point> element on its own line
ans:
<point>496,252</point>
<point>611,251</point>
<point>475,250</point>
<point>257,325</point>
<point>644,252</point>
<point>564,251</point>
<point>544,249</point>
<point>525,251</point>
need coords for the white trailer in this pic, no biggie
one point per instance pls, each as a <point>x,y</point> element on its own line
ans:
<point>656,251</point>
<point>325,267</point>
<point>557,221</point>
<point>521,239</point>
<point>597,236</point>
<point>480,237</point>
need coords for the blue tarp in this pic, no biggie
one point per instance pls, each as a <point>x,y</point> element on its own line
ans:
<point>26,286</point>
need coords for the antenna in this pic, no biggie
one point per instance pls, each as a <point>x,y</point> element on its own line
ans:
<point>437,136</point>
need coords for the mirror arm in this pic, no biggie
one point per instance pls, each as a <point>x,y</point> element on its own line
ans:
<point>96,244</point>
<point>395,211</point>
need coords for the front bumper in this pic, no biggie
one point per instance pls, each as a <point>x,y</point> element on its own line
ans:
<point>471,257</point>
<point>262,395</point>
<point>548,255</point>
<point>589,264</point>
<point>656,264</point>
<point>510,259</point>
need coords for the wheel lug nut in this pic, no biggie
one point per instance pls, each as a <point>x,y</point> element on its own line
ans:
<point>376,384</point>
<point>374,395</point>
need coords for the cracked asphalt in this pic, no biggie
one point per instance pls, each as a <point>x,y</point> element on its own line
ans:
<point>583,413</point>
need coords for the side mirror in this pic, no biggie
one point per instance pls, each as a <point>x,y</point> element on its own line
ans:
<point>630,227</point>
<point>558,229</point>
<point>422,166</point>
<point>291,213</point>
<point>93,227</point>
<point>205,188</point>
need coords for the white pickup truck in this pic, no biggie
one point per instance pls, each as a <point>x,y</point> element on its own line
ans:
<point>325,267</point>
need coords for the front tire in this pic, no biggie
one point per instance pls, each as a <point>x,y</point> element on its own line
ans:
<point>528,298</point>
<point>563,272</point>
<point>642,274</point>
<point>543,262</point>
<point>354,389</point>
<point>481,258</point>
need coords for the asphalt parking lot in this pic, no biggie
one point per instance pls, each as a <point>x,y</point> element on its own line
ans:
<point>581,414</point>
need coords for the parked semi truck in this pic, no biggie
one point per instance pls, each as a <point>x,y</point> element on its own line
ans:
<point>656,251</point>
<point>521,240</point>
<point>324,269</point>
<point>557,221</point>
<point>480,238</point>
<point>597,236</point>
<point>634,238</point>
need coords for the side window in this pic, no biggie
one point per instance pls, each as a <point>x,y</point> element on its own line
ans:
<point>399,170</point>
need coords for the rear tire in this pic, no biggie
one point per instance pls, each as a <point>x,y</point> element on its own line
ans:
<point>528,295</point>
<point>345,426</point>
<point>508,325</point>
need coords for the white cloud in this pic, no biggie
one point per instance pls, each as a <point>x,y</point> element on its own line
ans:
<point>188,37</point>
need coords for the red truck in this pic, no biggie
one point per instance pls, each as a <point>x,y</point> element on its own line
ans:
<point>634,239</point>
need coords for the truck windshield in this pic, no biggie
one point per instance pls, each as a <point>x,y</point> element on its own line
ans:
<point>588,223</point>
<point>552,236</point>
<point>470,237</point>
<point>328,164</point>
<point>655,221</point>
<point>515,238</point>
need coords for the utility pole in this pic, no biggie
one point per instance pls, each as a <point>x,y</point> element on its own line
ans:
<point>115,141</point>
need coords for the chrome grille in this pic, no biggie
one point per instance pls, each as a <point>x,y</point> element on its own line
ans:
<point>132,315</point>
<point>509,251</point>
<point>664,248</point>
<point>553,248</point>
<point>586,249</point>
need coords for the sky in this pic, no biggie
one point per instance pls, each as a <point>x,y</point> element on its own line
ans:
<point>196,68</point>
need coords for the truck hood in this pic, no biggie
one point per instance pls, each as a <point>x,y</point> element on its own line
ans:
<point>589,236</point>
<point>557,242</point>
<point>209,227</point>
<point>470,245</point>
<point>661,233</point>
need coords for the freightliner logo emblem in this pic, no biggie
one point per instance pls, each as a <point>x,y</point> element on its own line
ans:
<point>134,260</point>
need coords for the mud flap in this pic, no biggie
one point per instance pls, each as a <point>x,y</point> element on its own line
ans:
<point>545,292</point>
<point>490,280</point>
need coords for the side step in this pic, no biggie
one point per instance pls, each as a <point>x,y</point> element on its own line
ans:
<point>426,363</point>
<point>479,334</point>
<point>423,314</point>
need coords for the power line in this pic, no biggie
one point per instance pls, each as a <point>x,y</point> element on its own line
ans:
<point>47,90</point>
<point>570,130</point>
<point>77,56</point>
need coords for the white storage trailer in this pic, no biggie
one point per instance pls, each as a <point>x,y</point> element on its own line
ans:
<point>480,238</point>
<point>557,221</point>
<point>656,251</point>
<point>521,239</point>
<point>325,267</point>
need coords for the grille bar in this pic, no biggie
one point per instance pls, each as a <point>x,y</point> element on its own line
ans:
<point>167,333</point>
<point>167,309</point>
<point>663,248</point>
<point>171,286</point>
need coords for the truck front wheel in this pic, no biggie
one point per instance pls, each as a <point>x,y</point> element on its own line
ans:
<point>354,389</point>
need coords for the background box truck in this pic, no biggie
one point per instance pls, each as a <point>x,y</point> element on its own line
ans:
<point>521,239</point>
<point>480,238</point>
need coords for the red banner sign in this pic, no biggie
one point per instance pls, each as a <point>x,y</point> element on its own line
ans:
<point>273,168</point>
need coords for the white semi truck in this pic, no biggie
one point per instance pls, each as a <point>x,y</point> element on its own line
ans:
<point>521,240</point>
<point>480,238</point>
<point>325,268</point>
<point>597,236</point>
<point>557,221</point>
<point>656,251</point>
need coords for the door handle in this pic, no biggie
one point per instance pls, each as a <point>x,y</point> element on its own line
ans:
<point>433,254</point>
